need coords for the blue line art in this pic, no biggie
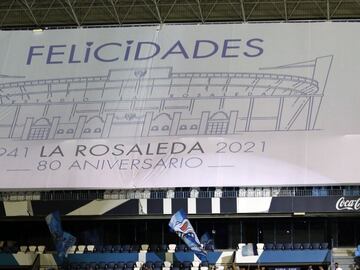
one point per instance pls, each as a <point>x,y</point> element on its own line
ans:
<point>160,102</point>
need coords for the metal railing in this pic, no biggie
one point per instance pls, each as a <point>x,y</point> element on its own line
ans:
<point>181,193</point>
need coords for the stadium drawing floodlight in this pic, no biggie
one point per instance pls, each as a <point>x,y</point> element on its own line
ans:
<point>161,102</point>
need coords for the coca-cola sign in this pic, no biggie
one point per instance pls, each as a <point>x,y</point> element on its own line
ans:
<point>351,205</point>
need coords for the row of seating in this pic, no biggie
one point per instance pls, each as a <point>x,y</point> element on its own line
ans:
<point>13,247</point>
<point>290,246</point>
<point>131,248</point>
<point>149,265</point>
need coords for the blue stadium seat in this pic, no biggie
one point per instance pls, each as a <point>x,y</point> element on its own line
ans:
<point>98,248</point>
<point>186,265</point>
<point>180,247</point>
<point>119,265</point>
<point>126,248</point>
<point>315,245</point>
<point>306,246</point>
<point>288,246</point>
<point>163,247</point>
<point>135,248</point>
<point>297,246</point>
<point>108,248</point>
<point>279,246</point>
<point>158,264</point>
<point>149,264</point>
<point>117,248</point>
<point>268,246</point>
<point>130,264</point>
<point>154,248</point>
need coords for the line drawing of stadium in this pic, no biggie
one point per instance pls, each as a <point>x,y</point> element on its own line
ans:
<point>160,102</point>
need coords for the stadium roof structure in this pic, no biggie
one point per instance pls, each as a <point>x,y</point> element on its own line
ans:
<point>30,14</point>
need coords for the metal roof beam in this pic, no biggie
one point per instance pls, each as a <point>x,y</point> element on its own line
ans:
<point>211,9</point>
<point>74,16</point>
<point>169,11</point>
<point>200,11</point>
<point>29,9</point>
<point>157,10</point>
<point>151,11</point>
<point>116,14</point>
<point>7,13</point>
<point>47,12</point>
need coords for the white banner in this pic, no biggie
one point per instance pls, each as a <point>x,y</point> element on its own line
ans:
<point>181,105</point>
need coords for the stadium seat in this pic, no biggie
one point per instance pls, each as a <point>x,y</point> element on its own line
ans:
<point>134,248</point>
<point>288,246</point>
<point>195,265</point>
<point>218,193</point>
<point>145,248</point>
<point>98,248</point>
<point>279,246</point>
<point>324,245</point>
<point>260,246</point>
<point>23,249</point>
<point>138,265</point>
<point>267,192</point>
<point>153,248</point>
<point>41,249</point>
<point>130,264</point>
<point>126,248</point>
<point>108,248</point>
<point>117,248</point>
<point>163,247</point>
<point>34,248</point>
<point>167,265</point>
<point>80,249</point>
<point>306,246</point>
<point>149,264</point>
<point>250,192</point>
<point>102,266</point>
<point>90,248</point>
<point>170,193</point>
<point>315,245</point>
<point>119,265</point>
<point>186,265</point>
<point>242,192</point>
<point>158,264</point>
<point>172,248</point>
<point>268,246</point>
<point>181,248</point>
<point>297,246</point>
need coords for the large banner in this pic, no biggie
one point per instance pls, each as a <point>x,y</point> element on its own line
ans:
<point>180,105</point>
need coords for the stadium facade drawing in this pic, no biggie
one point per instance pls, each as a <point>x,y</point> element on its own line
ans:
<point>160,102</point>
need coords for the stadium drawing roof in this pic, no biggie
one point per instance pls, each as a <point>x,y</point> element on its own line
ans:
<point>23,14</point>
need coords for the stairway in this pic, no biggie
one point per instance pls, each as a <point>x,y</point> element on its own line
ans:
<point>344,256</point>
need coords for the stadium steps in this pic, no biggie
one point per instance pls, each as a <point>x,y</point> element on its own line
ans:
<point>344,257</point>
